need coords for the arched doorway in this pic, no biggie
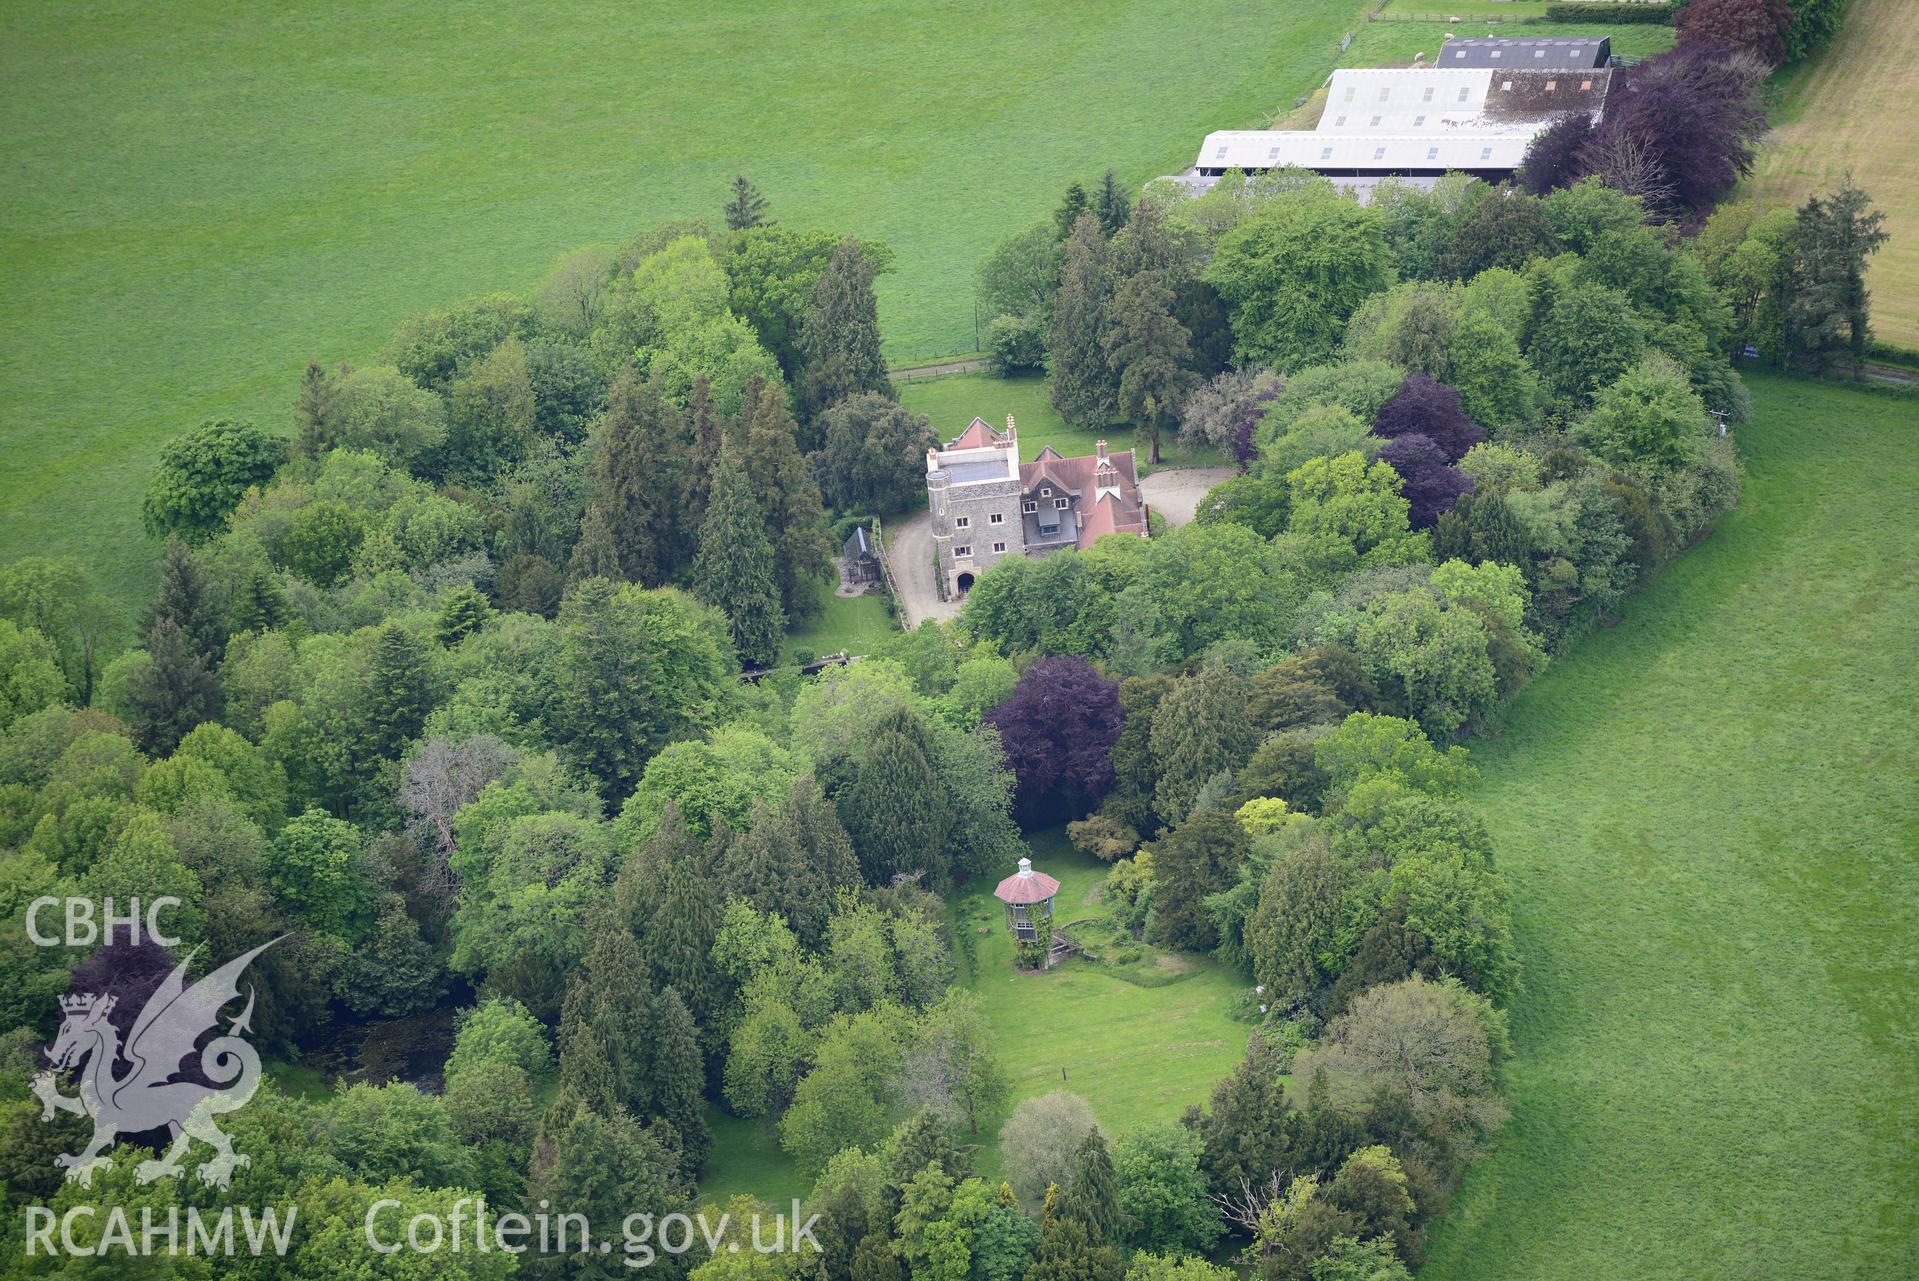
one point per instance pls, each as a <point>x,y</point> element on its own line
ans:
<point>965,584</point>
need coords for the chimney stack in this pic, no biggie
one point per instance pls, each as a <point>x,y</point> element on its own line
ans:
<point>1099,450</point>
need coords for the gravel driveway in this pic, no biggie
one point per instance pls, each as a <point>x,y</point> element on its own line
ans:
<point>1174,494</point>
<point>910,551</point>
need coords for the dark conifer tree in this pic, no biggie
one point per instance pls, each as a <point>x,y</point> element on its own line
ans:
<point>603,1167</point>
<point>1085,387</point>
<point>705,428</point>
<point>746,207</point>
<point>260,605</point>
<point>1111,206</point>
<point>586,1071</point>
<point>680,932</point>
<point>602,687</point>
<point>619,1009</point>
<point>186,598</point>
<point>679,1076</point>
<point>1067,1251</point>
<point>311,411</point>
<point>839,340</point>
<point>794,861</point>
<point>1071,206</point>
<point>399,693</point>
<point>896,811</point>
<point>1829,308</point>
<point>735,569</point>
<point>1091,1194</point>
<point>640,481</point>
<point>874,1260</point>
<point>174,692</point>
<point>788,498</point>
<point>594,555</point>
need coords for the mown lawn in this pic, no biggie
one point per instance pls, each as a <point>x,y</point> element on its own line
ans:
<point>1139,1039</point>
<point>1709,819</point>
<point>954,400</point>
<point>854,624</point>
<point>204,195</point>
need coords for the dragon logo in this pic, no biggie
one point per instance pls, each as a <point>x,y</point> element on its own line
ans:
<point>146,1097</point>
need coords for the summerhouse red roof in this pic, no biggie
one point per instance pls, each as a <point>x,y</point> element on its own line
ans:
<point>1026,885</point>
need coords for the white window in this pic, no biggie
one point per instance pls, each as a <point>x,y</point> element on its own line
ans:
<point>1495,53</point>
<point>1349,93</point>
<point>1379,153</point>
<point>1460,54</point>
<point>1273,154</point>
<point>999,547</point>
<point>1551,85</point>
<point>1432,153</point>
<point>1539,53</point>
<point>1505,86</point>
<point>1221,155</point>
<point>1463,91</point>
<point>995,519</point>
<point>1325,153</point>
<point>962,522</point>
<point>965,550</point>
<point>1485,153</point>
<point>1061,504</point>
<point>1044,492</point>
<point>1428,95</point>
<point>1029,506</point>
<point>1585,86</point>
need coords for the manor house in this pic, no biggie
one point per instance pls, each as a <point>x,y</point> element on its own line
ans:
<point>987,504</point>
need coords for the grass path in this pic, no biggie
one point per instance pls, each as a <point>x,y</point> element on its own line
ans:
<point>1708,816</point>
<point>1852,108</point>
<point>202,196</point>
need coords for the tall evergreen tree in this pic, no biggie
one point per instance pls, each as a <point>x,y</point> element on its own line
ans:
<point>1091,1194</point>
<point>603,1168</point>
<point>705,428</point>
<point>174,692</point>
<point>1085,387</point>
<point>259,605</point>
<point>1111,205</point>
<point>794,862</point>
<point>186,598</point>
<point>1067,1251</point>
<point>312,411</point>
<point>602,685</point>
<point>788,498</point>
<point>464,612</point>
<point>679,939</point>
<point>896,811</point>
<point>1071,206</point>
<point>746,207</point>
<point>399,694</point>
<point>620,1008</point>
<point>679,1076</point>
<point>839,342</point>
<point>1150,351</point>
<point>586,1070</point>
<point>735,569</point>
<point>594,555</point>
<point>640,480</point>
<point>1829,307</point>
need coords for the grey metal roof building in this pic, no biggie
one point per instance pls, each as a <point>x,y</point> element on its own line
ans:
<point>1567,53</point>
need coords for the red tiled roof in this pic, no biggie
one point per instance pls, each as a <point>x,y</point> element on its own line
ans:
<point>1026,885</point>
<point>1076,474</point>
<point>1110,515</point>
<point>979,434</point>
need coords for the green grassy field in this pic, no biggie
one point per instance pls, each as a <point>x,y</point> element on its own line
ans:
<point>1708,818</point>
<point>955,400</point>
<point>203,196</point>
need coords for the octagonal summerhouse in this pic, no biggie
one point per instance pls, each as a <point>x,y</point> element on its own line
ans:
<point>1028,896</point>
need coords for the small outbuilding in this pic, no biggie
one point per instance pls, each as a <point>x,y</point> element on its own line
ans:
<point>859,560</point>
<point>1028,896</point>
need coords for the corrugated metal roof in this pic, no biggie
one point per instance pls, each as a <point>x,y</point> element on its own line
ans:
<point>1402,101</point>
<point>1252,150</point>
<point>1567,52</point>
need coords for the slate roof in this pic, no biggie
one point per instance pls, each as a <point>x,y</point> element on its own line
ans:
<point>1565,53</point>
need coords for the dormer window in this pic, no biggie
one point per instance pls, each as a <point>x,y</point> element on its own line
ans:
<point>1061,504</point>
<point>1029,506</point>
